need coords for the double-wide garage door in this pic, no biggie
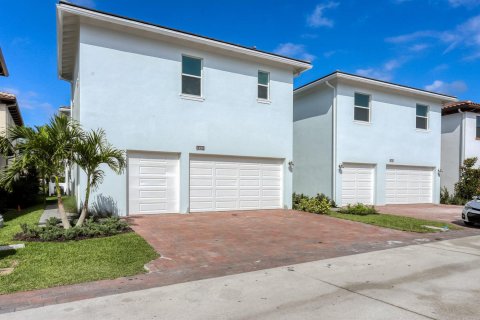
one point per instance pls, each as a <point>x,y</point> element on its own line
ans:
<point>229,183</point>
<point>216,183</point>
<point>407,184</point>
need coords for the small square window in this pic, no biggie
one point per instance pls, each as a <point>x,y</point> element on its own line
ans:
<point>422,117</point>
<point>191,76</point>
<point>263,85</point>
<point>362,107</point>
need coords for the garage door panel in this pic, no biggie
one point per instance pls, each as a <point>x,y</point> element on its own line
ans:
<point>236,183</point>
<point>357,184</point>
<point>406,184</point>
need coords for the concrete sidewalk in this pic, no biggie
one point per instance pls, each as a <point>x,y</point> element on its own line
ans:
<point>431,281</point>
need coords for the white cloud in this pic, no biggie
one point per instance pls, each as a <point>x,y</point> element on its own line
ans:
<point>440,67</point>
<point>317,17</point>
<point>454,87</point>
<point>384,72</point>
<point>294,50</point>
<point>464,3</point>
<point>418,47</point>
<point>465,35</point>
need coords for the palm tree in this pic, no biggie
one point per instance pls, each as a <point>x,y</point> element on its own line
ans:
<point>92,151</point>
<point>48,148</point>
<point>14,145</point>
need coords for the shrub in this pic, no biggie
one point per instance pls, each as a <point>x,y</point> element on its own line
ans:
<point>92,228</point>
<point>447,198</point>
<point>469,183</point>
<point>317,204</point>
<point>24,192</point>
<point>298,198</point>
<point>359,209</point>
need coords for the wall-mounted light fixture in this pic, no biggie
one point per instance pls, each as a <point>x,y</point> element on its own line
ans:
<point>439,171</point>
<point>291,165</point>
<point>341,166</point>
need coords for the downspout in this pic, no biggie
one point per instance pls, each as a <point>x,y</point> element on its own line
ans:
<point>334,141</point>
<point>462,137</point>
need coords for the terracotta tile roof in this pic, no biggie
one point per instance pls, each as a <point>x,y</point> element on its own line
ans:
<point>7,96</point>
<point>465,105</point>
<point>12,104</point>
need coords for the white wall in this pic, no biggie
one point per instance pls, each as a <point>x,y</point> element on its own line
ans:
<point>392,134</point>
<point>130,86</point>
<point>312,141</point>
<point>472,145</point>
<point>451,150</point>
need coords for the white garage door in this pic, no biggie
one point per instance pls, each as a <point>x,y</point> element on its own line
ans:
<point>153,183</point>
<point>357,184</point>
<point>405,184</point>
<point>228,183</point>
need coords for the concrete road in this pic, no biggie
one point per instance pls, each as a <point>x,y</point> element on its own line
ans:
<point>433,281</point>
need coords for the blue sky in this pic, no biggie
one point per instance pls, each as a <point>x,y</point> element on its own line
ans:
<point>430,44</point>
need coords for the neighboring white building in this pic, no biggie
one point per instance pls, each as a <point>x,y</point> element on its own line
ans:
<point>460,139</point>
<point>9,116</point>
<point>207,125</point>
<point>363,140</point>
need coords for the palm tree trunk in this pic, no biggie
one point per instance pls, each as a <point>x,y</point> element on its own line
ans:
<point>61,208</point>
<point>84,213</point>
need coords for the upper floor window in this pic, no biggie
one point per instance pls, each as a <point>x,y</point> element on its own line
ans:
<point>263,85</point>
<point>191,76</point>
<point>362,107</point>
<point>422,117</point>
<point>478,128</point>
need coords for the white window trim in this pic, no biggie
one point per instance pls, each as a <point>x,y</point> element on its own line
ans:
<point>186,95</point>
<point>427,117</point>
<point>261,100</point>
<point>369,108</point>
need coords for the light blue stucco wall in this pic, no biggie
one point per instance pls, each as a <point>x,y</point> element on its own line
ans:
<point>392,134</point>
<point>312,141</point>
<point>452,155</point>
<point>130,86</point>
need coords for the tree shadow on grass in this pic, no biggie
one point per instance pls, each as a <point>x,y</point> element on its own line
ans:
<point>14,214</point>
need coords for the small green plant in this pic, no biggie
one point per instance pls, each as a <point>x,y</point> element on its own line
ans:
<point>359,209</point>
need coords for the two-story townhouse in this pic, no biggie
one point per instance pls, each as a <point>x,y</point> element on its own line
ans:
<point>362,140</point>
<point>207,125</point>
<point>460,139</point>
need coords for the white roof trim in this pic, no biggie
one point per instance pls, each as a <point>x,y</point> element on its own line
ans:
<point>374,82</point>
<point>298,66</point>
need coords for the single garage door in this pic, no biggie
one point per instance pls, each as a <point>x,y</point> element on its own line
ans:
<point>406,184</point>
<point>235,183</point>
<point>358,182</point>
<point>153,183</point>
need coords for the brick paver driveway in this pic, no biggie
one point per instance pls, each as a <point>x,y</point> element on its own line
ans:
<point>204,245</point>
<point>439,212</point>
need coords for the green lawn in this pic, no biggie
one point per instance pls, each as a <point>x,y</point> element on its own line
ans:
<point>395,222</point>
<point>69,202</point>
<point>48,264</point>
